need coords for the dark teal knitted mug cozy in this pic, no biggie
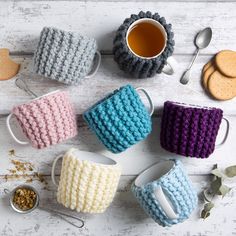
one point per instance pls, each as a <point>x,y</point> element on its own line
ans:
<point>134,65</point>
<point>120,120</point>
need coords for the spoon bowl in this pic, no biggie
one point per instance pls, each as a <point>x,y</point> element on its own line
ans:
<point>203,38</point>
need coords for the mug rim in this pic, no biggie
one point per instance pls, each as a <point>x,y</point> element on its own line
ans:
<point>92,157</point>
<point>139,182</point>
<point>40,97</point>
<point>190,105</point>
<point>160,26</point>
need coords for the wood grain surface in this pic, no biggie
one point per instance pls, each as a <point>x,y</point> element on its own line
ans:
<point>20,25</point>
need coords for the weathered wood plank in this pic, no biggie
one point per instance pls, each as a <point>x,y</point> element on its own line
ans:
<point>123,218</point>
<point>142,154</point>
<point>21,21</point>
<point>109,78</point>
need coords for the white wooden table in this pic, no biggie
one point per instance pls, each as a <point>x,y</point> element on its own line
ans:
<point>20,25</point>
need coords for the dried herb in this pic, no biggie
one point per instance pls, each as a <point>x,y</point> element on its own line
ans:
<point>24,199</point>
<point>23,170</point>
<point>216,188</point>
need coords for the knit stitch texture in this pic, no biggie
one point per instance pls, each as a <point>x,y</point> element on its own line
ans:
<point>120,120</point>
<point>130,63</point>
<point>64,56</point>
<point>177,186</point>
<point>48,120</point>
<point>189,131</point>
<point>87,186</point>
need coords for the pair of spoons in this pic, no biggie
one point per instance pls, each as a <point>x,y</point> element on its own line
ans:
<point>202,40</point>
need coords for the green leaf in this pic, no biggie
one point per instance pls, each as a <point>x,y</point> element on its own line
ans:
<point>215,185</point>
<point>217,173</point>
<point>208,206</point>
<point>205,214</point>
<point>224,190</point>
<point>230,171</point>
<point>206,195</point>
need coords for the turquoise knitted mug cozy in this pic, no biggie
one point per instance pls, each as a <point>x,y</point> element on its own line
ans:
<point>67,57</point>
<point>165,192</point>
<point>139,66</point>
<point>120,120</point>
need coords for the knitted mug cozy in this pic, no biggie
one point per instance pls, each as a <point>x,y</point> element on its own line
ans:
<point>134,65</point>
<point>88,181</point>
<point>165,192</point>
<point>190,130</point>
<point>120,120</point>
<point>46,120</point>
<point>64,56</point>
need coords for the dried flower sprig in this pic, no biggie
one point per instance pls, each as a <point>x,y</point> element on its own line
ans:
<point>217,187</point>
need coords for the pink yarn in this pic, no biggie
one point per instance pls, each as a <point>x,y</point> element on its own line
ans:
<point>48,120</point>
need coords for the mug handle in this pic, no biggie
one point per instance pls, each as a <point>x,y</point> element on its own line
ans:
<point>164,203</point>
<point>171,64</point>
<point>151,110</point>
<point>11,132</point>
<point>53,170</point>
<point>226,132</point>
<point>94,71</point>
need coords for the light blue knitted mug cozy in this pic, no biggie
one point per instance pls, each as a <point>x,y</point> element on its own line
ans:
<point>120,120</point>
<point>165,192</point>
<point>64,56</point>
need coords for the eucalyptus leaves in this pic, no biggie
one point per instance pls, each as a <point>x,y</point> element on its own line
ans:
<point>217,187</point>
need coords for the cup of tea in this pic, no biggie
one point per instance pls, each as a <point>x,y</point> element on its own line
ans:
<point>143,45</point>
<point>88,181</point>
<point>66,57</point>
<point>165,192</point>
<point>191,130</point>
<point>46,120</point>
<point>120,119</point>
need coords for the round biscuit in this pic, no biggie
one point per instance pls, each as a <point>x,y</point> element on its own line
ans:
<point>226,62</point>
<point>220,87</point>
<point>206,76</point>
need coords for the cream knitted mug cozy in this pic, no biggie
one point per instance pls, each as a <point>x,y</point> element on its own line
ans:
<point>88,181</point>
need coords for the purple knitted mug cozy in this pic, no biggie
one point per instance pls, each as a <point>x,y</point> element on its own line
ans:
<point>189,130</point>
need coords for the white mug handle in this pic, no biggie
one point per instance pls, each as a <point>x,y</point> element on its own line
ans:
<point>53,170</point>
<point>169,68</point>
<point>226,133</point>
<point>151,110</point>
<point>11,132</point>
<point>95,70</point>
<point>164,203</point>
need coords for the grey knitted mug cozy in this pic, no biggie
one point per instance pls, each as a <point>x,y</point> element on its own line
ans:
<point>64,56</point>
<point>130,63</point>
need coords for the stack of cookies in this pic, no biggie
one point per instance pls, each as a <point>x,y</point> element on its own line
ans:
<point>219,75</point>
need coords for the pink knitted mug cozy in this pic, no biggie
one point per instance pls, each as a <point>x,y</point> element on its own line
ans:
<point>46,120</point>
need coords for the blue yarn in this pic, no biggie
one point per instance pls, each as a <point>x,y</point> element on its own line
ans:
<point>178,188</point>
<point>119,120</point>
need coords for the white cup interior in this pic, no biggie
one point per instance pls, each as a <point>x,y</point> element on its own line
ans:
<point>93,157</point>
<point>50,93</point>
<point>153,173</point>
<point>150,21</point>
<point>192,105</point>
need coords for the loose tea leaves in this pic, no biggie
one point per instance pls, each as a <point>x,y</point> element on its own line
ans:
<point>24,199</point>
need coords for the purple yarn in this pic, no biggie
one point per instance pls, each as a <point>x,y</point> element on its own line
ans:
<point>189,130</point>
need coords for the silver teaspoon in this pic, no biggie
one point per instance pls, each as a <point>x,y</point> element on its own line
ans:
<point>202,40</point>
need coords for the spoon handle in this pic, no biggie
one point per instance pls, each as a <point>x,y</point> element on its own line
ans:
<point>194,59</point>
<point>187,74</point>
